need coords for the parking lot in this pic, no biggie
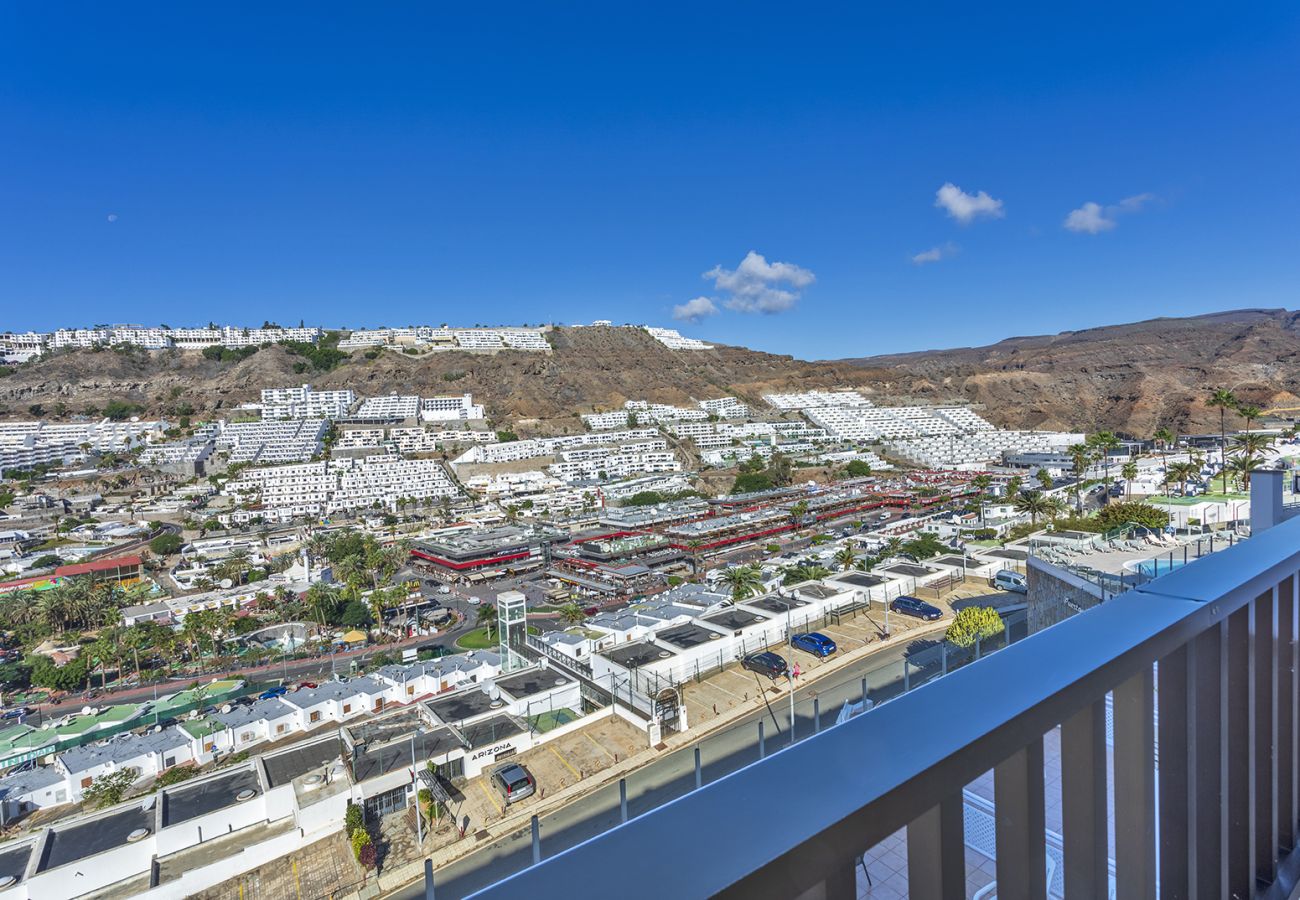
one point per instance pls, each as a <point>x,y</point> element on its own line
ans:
<point>555,765</point>
<point>719,692</point>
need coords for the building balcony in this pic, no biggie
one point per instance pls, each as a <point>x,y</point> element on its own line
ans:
<point>1086,791</point>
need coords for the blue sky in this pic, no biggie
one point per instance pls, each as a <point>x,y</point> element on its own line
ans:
<point>392,163</point>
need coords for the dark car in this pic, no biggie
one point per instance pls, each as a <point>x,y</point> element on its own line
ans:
<point>813,642</point>
<point>513,782</point>
<point>766,663</point>
<point>16,712</point>
<point>271,693</point>
<point>911,606</point>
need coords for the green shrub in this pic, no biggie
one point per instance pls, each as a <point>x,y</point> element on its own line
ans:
<point>360,838</point>
<point>166,544</point>
<point>1112,515</point>
<point>177,774</point>
<point>973,623</point>
<point>353,818</point>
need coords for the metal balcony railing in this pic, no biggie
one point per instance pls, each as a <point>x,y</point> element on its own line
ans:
<point>1217,639</point>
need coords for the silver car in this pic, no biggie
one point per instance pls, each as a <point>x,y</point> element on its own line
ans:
<point>513,782</point>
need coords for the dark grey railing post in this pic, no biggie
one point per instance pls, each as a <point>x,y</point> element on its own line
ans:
<point>622,799</point>
<point>907,676</point>
<point>1265,763</point>
<point>1239,849</point>
<point>817,715</point>
<point>1287,694</point>
<point>699,770</point>
<point>864,688</point>
<point>762,741</point>
<point>428,879</point>
<point>944,655</point>
<point>1205,728</point>
<point>936,852</point>
<point>1083,802</point>
<point>1135,795</point>
<point>1020,823</point>
<point>1175,805</point>
<point>537,840</point>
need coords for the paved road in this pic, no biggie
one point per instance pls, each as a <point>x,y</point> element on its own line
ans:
<point>673,775</point>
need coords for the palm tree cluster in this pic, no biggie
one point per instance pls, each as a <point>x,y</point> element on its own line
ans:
<point>1245,454</point>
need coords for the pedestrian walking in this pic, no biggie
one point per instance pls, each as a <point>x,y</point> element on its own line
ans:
<point>796,673</point>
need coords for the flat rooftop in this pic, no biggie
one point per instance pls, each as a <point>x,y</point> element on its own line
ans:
<point>283,768</point>
<point>635,655</point>
<point>687,635</point>
<point>489,731</point>
<point>861,579</point>
<point>734,619</point>
<point>463,705</point>
<point>385,759</point>
<point>193,800</point>
<point>533,681</point>
<point>958,561</point>
<point>910,570</point>
<point>96,835</point>
<point>1006,553</point>
<point>820,591</point>
<point>13,862</point>
<point>774,604</point>
<point>373,732</point>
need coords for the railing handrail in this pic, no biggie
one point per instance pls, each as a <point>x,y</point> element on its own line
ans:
<point>740,834</point>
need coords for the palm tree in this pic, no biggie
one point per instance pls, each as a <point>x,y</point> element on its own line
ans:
<point>892,547</point>
<point>1014,484</point>
<point>572,614</point>
<point>1250,413</point>
<point>1104,441</point>
<point>1180,473</point>
<point>982,483</point>
<point>1164,438</point>
<point>1081,456</point>
<point>744,581</point>
<point>694,545</point>
<point>1242,465</point>
<point>803,572</point>
<point>322,601</point>
<point>1128,472</point>
<point>846,558</point>
<point>1035,503</point>
<point>486,617</point>
<point>1251,443</point>
<point>1223,400</point>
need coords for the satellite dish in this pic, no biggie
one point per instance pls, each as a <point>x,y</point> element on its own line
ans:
<point>227,583</point>
<point>88,710</point>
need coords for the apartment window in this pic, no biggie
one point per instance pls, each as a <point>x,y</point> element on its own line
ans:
<point>410,689</point>
<point>85,782</point>
<point>246,737</point>
<point>347,708</point>
<point>315,717</point>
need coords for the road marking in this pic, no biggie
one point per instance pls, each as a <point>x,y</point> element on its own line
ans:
<point>596,744</point>
<point>296,883</point>
<point>576,773</point>
<point>714,684</point>
<point>491,799</point>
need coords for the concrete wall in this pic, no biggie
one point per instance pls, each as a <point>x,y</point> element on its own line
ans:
<point>1056,594</point>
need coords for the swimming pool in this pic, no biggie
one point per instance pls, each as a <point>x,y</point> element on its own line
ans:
<point>1154,568</point>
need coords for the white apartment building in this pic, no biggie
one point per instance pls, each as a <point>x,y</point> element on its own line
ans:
<point>19,348</point>
<point>725,408</point>
<point>675,340</point>
<point>813,399</point>
<point>394,407</point>
<point>662,413</point>
<point>606,420</point>
<point>293,440</point>
<point>479,339</point>
<point>305,403</point>
<point>584,466</point>
<point>159,338</point>
<point>315,489</point>
<point>450,409</point>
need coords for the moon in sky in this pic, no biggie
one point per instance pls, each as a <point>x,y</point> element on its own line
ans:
<point>112,217</point>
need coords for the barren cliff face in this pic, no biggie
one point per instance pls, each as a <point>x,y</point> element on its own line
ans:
<point>1131,378</point>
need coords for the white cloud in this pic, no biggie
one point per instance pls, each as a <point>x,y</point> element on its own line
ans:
<point>1093,218</point>
<point>694,310</point>
<point>964,207</point>
<point>934,254</point>
<point>759,286</point>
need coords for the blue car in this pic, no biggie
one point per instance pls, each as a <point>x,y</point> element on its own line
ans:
<point>271,693</point>
<point>813,642</point>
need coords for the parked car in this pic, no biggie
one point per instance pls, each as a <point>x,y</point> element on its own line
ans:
<point>16,712</point>
<point>272,693</point>
<point>513,782</point>
<point>766,663</point>
<point>1006,580</point>
<point>305,684</point>
<point>912,606</point>
<point>813,642</point>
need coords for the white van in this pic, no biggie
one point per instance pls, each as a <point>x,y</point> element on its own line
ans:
<point>1006,580</point>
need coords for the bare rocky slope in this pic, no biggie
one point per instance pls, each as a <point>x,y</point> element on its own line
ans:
<point>1132,378</point>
